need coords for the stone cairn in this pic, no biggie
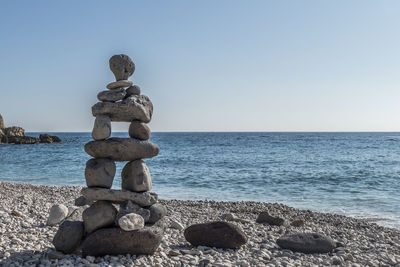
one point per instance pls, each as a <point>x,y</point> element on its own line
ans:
<point>127,221</point>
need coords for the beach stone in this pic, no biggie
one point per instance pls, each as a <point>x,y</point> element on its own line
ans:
<point>157,212</point>
<point>69,236</point>
<point>58,212</point>
<point>14,131</point>
<point>307,243</point>
<point>144,199</point>
<point>139,130</point>
<point>297,223</point>
<point>122,149</point>
<point>264,217</point>
<point>115,241</point>
<point>46,138</point>
<point>215,234</point>
<point>2,125</point>
<point>133,90</point>
<point>136,107</point>
<point>112,95</point>
<point>129,207</point>
<point>98,215</point>
<point>82,201</point>
<point>131,222</point>
<point>232,218</point>
<point>136,177</point>
<point>102,128</point>
<point>76,214</point>
<point>100,172</point>
<point>122,66</point>
<point>119,84</point>
<point>176,225</point>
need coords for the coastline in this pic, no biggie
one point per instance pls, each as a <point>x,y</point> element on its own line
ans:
<point>27,239</point>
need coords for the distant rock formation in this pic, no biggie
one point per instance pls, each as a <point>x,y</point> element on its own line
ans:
<point>16,135</point>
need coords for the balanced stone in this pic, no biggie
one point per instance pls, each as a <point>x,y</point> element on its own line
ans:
<point>142,199</point>
<point>132,108</point>
<point>139,130</point>
<point>119,84</point>
<point>307,243</point>
<point>136,177</point>
<point>131,221</point>
<point>101,128</point>
<point>69,236</point>
<point>215,234</point>
<point>112,95</point>
<point>130,207</point>
<point>99,215</point>
<point>157,212</point>
<point>115,241</point>
<point>122,66</point>
<point>122,149</point>
<point>57,214</point>
<point>133,90</point>
<point>100,172</point>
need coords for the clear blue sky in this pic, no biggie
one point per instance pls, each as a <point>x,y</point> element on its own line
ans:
<point>206,65</point>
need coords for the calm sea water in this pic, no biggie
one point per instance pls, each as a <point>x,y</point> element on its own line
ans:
<point>356,174</point>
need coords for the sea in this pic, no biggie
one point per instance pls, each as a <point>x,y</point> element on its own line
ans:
<point>353,174</point>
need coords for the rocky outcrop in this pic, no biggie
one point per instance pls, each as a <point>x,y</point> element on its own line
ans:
<point>16,135</point>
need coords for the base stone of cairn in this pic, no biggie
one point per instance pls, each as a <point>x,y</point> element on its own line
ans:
<point>126,221</point>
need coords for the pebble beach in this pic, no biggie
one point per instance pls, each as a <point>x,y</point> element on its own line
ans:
<point>26,240</point>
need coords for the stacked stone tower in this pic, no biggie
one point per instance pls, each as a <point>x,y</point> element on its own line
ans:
<point>127,220</point>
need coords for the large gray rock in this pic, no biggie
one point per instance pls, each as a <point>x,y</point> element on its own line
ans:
<point>69,236</point>
<point>100,214</point>
<point>131,222</point>
<point>57,214</point>
<point>2,125</point>
<point>46,138</point>
<point>102,128</point>
<point>157,212</point>
<point>130,207</point>
<point>115,241</point>
<point>3,137</point>
<point>136,177</point>
<point>100,172</point>
<point>119,84</point>
<point>14,131</point>
<point>215,234</point>
<point>122,66</point>
<point>264,217</point>
<point>142,199</point>
<point>307,243</point>
<point>122,149</point>
<point>133,90</point>
<point>112,95</point>
<point>21,140</point>
<point>132,108</point>
<point>139,130</point>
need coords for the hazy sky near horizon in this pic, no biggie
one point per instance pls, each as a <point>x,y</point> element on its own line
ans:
<point>206,65</point>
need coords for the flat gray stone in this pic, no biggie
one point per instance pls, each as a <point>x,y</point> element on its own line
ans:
<point>69,236</point>
<point>307,243</point>
<point>100,172</point>
<point>99,215</point>
<point>112,95</point>
<point>133,90</point>
<point>122,149</point>
<point>139,130</point>
<point>264,217</point>
<point>136,177</point>
<point>130,207</point>
<point>102,128</point>
<point>122,66</point>
<point>142,199</point>
<point>115,241</point>
<point>119,84</point>
<point>132,108</point>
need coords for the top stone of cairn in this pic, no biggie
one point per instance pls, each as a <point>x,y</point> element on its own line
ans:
<point>122,66</point>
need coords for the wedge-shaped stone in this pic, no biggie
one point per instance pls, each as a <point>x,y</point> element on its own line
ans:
<point>122,149</point>
<point>135,107</point>
<point>142,199</point>
<point>115,241</point>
